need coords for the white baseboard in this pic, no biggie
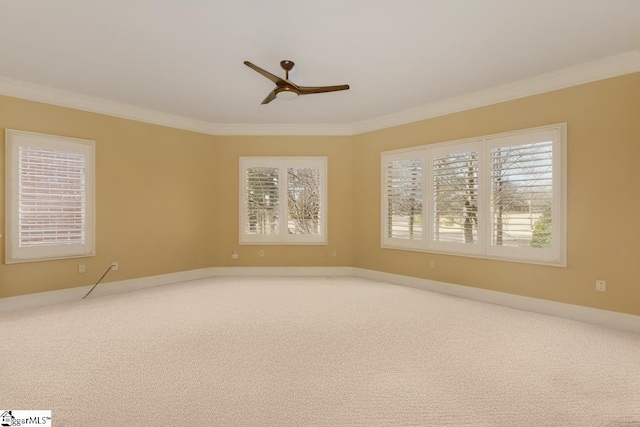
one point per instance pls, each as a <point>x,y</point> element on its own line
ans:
<point>627,322</point>
<point>612,319</point>
<point>283,271</point>
<point>108,288</point>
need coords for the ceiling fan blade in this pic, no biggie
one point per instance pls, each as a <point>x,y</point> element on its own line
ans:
<point>270,97</point>
<point>272,77</point>
<point>306,90</point>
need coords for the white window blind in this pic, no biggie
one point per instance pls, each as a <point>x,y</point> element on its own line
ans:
<point>455,190</point>
<point>403,185</point>
<point>50,197</point>
<point>501,196</point>
<point>262,201</point>
<point>527,201</point>
<point>303,197</point>
<point>283,200</point>
<point>521,194</point>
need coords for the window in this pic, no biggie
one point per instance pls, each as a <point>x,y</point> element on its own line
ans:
<point>283,200</point>
<point>454,197</point>
<point>500,196</point>
<point>403,191</point>
<point>50,197</point>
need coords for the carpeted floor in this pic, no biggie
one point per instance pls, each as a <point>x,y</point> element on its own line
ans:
<point>312,352</point>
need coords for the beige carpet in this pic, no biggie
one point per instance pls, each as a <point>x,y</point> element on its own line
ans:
<point>313,352</point>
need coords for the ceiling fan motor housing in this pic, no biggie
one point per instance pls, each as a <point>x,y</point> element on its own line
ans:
<point>286,92</point>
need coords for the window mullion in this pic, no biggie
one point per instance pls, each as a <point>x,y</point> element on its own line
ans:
<point>429,194</point>
<point>484,195</point>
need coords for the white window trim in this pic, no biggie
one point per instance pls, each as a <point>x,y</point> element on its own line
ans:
<point>555,257</point>
<point>13,253</point>
<point>283,238</point>
<point>558,205</point>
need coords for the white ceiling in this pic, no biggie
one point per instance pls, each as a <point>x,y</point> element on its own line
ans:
<point>185,58</point>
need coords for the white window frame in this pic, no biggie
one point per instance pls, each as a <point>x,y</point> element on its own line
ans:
<point>283,237</point>
<point>555,256</point>
<point>558,206</point>
<point>13,252</point>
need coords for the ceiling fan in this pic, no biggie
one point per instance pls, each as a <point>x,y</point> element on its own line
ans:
<point>286,89</point>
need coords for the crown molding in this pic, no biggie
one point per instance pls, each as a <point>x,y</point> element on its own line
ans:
<point>613,66</point>
<point>48,95</point>
<point>265,129</point>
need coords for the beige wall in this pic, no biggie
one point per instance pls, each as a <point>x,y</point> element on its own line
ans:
<point>224,239</point>
<point>151,198</point>
<point>167,200</point>
<point>603,152</point>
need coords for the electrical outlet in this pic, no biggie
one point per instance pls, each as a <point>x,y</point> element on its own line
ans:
<point>234,255</point>
<point>601,285</point>
<point>334,253</point>
<point>260,253</point>
<point>432,264</point>
<point>114,265</point>
<point>81,268</point>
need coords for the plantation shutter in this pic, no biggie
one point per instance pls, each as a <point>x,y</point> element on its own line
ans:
<point>303,196</point>
<point>262,201</point>
<point>50,197</point>
<point>305,188</point>
<point>499,197</point>
<point>283,200</point>
<point>454,192</point>
<point>526,195</point>
<point>51,194</point>
<point>403,197</point>
<point>522,195</point>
